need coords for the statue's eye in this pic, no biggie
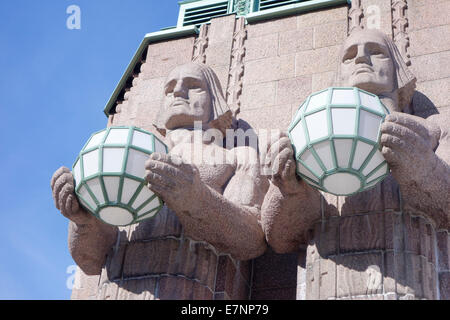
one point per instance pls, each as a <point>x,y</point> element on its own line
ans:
<point>168,92</point>
<point>347,59</point>
<point>195,89</point>
<point>349,55</point>
<point>379,51</point>
<point>168,89</point>
<point>195,85</point>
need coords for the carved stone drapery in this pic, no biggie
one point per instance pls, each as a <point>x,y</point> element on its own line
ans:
<point>236,73</point>
<point>399,28</point>
<point>355,15</point>
<point>200,45</point>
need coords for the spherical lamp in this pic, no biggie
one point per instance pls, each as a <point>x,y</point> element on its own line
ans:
<point>109,175</point>
<point>336,138</point>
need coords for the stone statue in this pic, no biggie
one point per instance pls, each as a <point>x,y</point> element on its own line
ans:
<point>405,139</point>
<point>339,261</point>
<point>228,192</point>
<point>216,194</point>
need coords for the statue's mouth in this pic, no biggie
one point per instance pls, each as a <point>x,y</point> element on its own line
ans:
<point>365,69</point>
<point>179,102</point>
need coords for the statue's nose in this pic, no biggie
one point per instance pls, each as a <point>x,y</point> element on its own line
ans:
<point>180,90</point>
<point>362,56</point>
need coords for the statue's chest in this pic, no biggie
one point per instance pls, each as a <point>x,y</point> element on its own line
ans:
<point>215,164</point>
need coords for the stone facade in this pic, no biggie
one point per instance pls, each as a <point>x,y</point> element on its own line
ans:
<point>365,247</point>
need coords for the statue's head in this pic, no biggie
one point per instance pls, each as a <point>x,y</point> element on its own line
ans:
<point>192,92</point>
<point>370,61</point>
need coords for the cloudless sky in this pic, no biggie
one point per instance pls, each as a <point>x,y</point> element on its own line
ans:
<point>54,84</point>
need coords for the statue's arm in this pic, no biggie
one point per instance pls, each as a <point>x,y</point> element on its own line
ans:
<point>228,221</point>
<point>418,152</point>
<point>436,185</point>
<point>290,206</point>
<point>89,239</point>
<point>90,243</point>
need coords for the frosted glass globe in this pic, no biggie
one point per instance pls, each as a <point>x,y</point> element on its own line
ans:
<point>109,175</point>
<point>336,138</point>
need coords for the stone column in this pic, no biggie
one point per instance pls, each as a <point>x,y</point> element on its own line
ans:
<point>382,253</point>
<point>443,244</point>
<point>154,260</point>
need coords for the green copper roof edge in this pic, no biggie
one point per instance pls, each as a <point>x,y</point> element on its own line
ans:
<point>149,38</point>
<point>187,1</point>
<point>291,9</point>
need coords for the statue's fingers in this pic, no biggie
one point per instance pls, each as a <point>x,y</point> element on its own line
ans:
<point>267,165</point>
<point>70,208</point>
<point>410,138</point>
<point>77,214</point>
<point>72,201</point>
<point>391,156</point>
<point>65,192</point>
<point>159,156</point>
<point>268,140</point>
<point>57,174</point>
<point>159,190</point>
<point>395,129</point>
<point>281,161</point>
<point>416,124</point>
<point>167,159</point>
<point>289,169</point>
<point>398,145</point>
<point>174,160</point>
<point>283,146</point>
<point>164,169</point>
<point>64,179</point>
<point>275,136</point>
<point>278,146</point>
<point>159,180</point>
<point>391,141</point>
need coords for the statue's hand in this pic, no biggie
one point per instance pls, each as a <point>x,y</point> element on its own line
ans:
<point>65,199</point>
<point>281,162</point>
<point>89,238</point>
<point>408,144</point>
<point>171,179</point>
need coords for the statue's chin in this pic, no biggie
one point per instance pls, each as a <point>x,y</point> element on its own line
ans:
<point>182,120</point>
<point>367,86</point>
<point>174,123</point>
<point>368,82</point>
<point>363,81</point>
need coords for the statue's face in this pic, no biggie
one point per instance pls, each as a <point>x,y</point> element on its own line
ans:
<point>367,64</point>
<point>186,97</point>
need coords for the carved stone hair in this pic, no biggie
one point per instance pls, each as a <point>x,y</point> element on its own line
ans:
<point>405,81</point>
<point>221,115</point>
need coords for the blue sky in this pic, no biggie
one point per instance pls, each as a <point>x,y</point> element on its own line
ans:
<point>54,85</point>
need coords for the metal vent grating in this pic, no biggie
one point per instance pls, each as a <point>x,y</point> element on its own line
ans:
<point>269,4</point>
<point>200,15</point>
